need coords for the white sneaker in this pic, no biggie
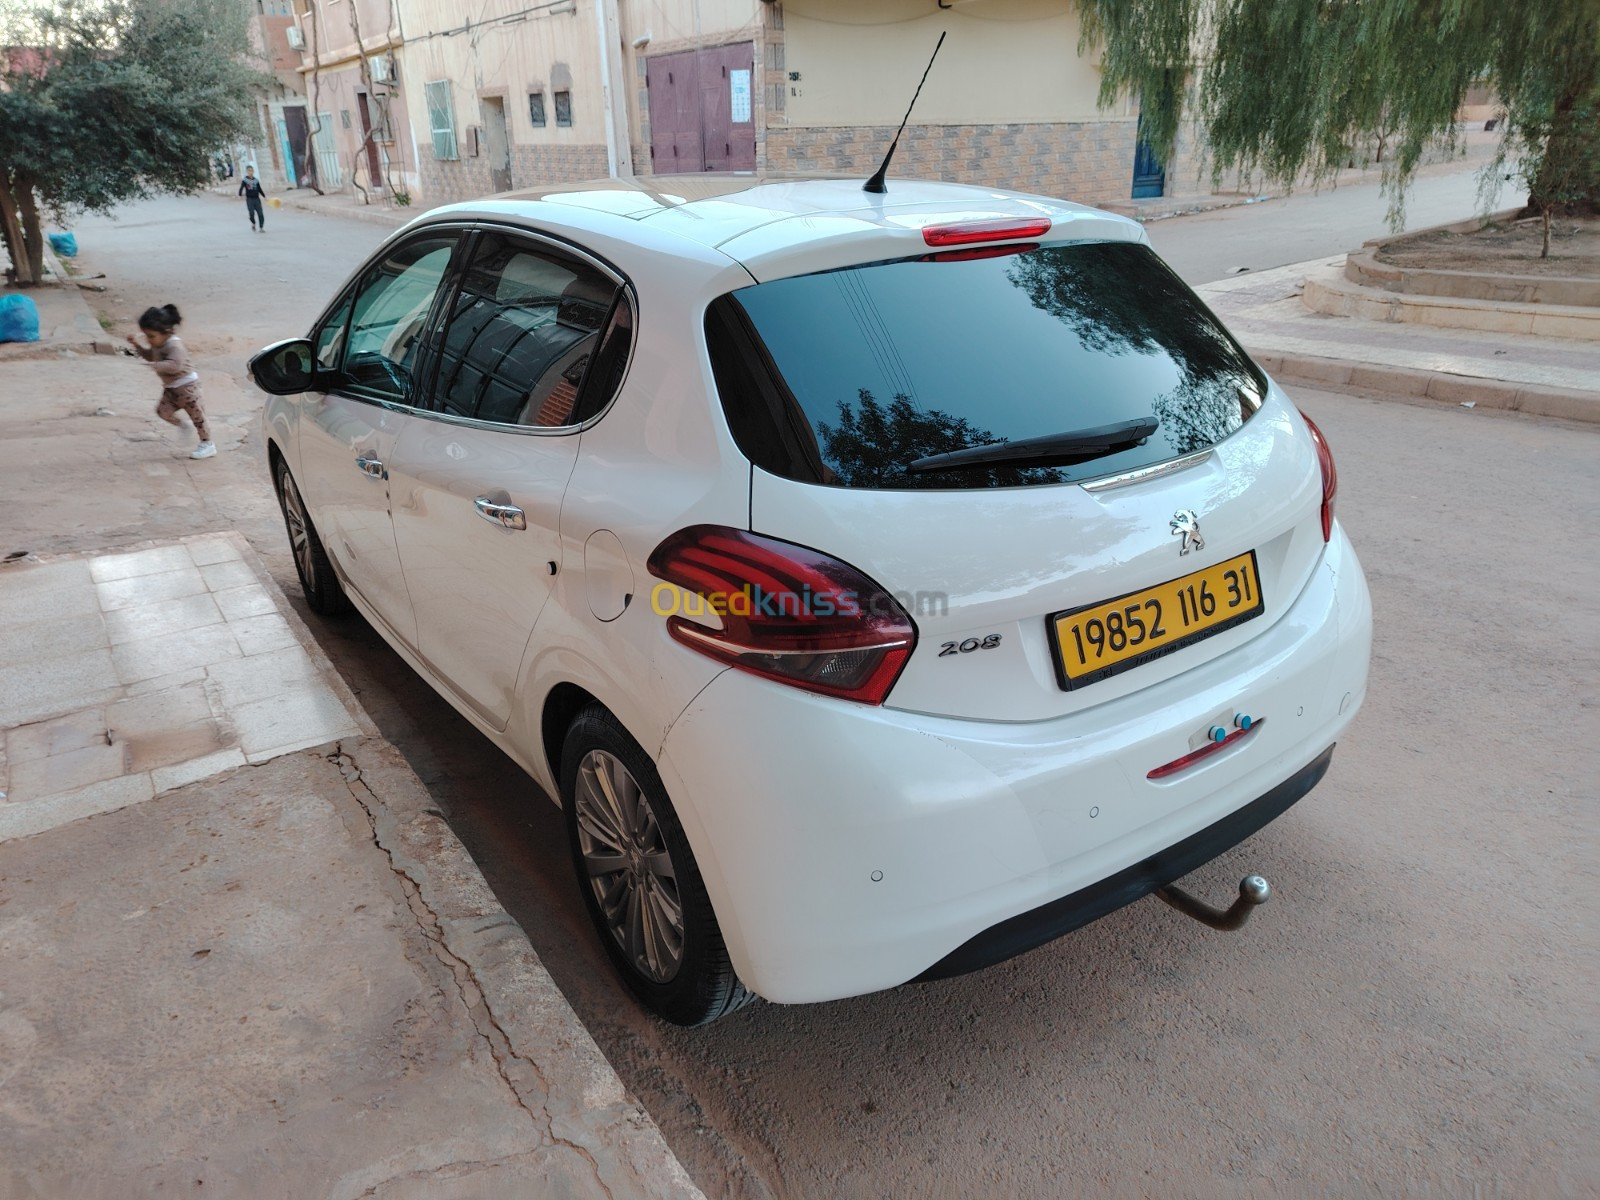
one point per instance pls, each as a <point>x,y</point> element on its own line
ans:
<point>204,450</point>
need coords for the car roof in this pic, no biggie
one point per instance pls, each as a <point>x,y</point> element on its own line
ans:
<point>778,225</point>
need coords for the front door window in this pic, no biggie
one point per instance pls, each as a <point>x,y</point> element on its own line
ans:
<point>393,301</point>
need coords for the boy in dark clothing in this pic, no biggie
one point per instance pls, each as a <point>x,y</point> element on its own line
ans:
<point>250,188</point>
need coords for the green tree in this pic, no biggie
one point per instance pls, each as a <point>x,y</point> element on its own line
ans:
<point>104,101</point>
<point>1285,87</point>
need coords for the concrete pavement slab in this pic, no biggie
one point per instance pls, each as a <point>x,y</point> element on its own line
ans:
<point>83,717</point>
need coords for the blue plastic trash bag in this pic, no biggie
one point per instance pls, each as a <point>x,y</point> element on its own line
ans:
<point>64,244</point>
<point>19,319</point>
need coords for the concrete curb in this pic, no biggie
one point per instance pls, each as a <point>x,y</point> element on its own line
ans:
<point>1364,269</point>
<point>544,1052</point>
<point>1184,206</point>
<point>1438,386</point>
<point>79,332</point>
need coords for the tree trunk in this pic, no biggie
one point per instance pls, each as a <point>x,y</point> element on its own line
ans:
<point>32,229</point>
<point>11,228</point>
<point>1544,251</point>
<point>1557,182</point>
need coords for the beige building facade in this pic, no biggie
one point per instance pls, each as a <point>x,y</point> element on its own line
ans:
<point>505,94</point>
<point>350,130</point>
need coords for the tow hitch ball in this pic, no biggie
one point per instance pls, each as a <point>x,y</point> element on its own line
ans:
<point>1253,890</point>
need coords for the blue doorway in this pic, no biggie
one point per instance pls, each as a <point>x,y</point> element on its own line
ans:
<point>1149,176</point>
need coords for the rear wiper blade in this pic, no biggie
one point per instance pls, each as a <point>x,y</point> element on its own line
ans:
<point>1058,449</point>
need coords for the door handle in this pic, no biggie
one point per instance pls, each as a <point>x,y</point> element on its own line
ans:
<point>508,516</point>
<point>372,467</point>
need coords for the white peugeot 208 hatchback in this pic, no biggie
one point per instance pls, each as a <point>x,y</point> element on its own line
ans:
<point>884,584</point>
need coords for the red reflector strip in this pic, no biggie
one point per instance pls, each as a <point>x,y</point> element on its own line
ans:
<point>1005,229</point>
<point>1206,751</point>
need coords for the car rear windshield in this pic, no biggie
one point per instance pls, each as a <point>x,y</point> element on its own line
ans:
<point>848,377</point>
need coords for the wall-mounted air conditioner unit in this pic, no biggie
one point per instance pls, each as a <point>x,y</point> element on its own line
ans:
<point>382,66</point>
<point>297,39</point>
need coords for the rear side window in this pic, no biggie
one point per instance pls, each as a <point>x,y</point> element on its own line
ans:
<point>849,377</point>
<point>520,335</point>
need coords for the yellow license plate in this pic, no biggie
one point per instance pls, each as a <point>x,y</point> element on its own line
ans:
<point>1105,639</point>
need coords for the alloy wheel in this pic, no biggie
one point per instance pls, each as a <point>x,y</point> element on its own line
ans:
<point>628,867</point>
<point>294,514</point>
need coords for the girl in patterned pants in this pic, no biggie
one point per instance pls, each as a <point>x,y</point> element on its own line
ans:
<point>180,385</point>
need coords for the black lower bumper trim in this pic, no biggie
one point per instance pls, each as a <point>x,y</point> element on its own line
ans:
<point>1023,932</point>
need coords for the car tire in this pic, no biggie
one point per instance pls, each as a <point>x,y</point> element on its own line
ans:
<point>618,815</point>
<point>323,591</point>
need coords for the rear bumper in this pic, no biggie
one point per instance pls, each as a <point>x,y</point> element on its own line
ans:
<point>849,849</point>
<point>1022,933</point>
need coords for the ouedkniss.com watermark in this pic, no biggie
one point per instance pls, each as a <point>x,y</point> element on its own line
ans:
<point>669,600</point>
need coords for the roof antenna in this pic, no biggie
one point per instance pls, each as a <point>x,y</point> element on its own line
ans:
<point>876,185</point>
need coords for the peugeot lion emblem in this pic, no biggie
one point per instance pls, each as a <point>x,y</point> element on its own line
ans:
<point>1187,525</point>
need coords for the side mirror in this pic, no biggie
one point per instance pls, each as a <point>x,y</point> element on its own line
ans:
<point>284,368</point>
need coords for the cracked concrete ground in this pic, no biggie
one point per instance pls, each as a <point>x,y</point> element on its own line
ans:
<point>292,982</point>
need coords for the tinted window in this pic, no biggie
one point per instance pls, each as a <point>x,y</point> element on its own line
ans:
<point>610,363</point>
<point>847,377</point>
<point>330,338</point>
<point>521,331</point>
<point>392,304</point>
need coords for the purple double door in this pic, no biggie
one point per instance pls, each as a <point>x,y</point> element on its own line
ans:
<point>702,110</point>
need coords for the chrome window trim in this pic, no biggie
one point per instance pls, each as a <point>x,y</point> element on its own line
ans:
<point>1108,483</point>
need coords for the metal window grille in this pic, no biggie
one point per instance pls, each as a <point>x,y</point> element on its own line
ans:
<point>382,128</point>
<point>441,119</point>
<point>563,108</point>
<point>536,109</point>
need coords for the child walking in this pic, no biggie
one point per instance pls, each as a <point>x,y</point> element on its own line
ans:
<point>250,188</point>
<point>180,385</point>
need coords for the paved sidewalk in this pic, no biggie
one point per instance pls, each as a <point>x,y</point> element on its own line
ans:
<point>128,675</point>
<point>1550,376</point>
<point>242,951</point>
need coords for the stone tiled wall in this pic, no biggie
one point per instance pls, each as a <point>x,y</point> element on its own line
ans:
<point>468,178</point>
<point>1088,161</point>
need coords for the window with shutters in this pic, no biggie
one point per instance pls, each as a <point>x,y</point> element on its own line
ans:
<point>441,119</point>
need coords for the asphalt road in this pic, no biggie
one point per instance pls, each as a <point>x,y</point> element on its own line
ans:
<point>1413,1011</point>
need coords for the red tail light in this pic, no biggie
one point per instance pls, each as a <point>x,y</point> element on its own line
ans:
<point>1330,476</point>
<point>1005,229</point>
<point>787,612</point>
